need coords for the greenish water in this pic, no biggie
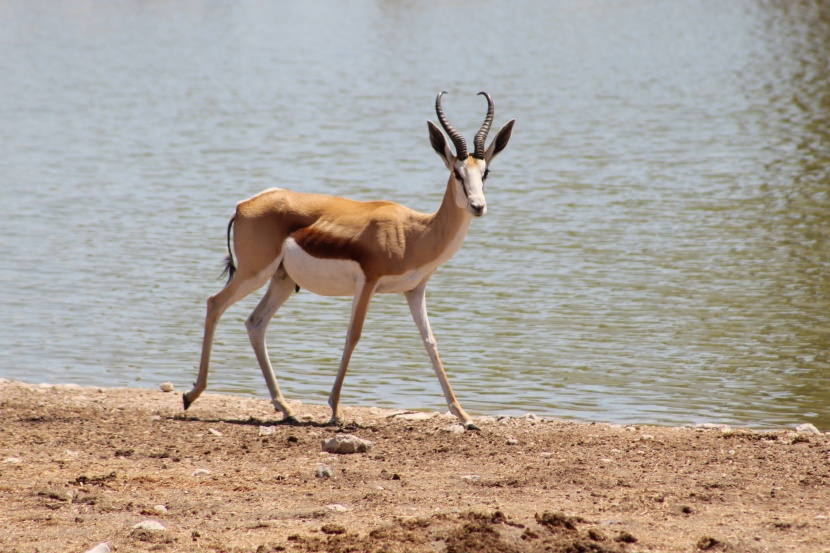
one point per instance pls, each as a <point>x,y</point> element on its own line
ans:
<point>656,247</point>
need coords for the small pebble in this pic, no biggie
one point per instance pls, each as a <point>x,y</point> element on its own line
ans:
<point>323,471</point>
<point>266,430</point>
<point>214,432</point>
<point>160,509</point>
<point>346,443</point>
<point>149,525</point>
<point>100,548</point>
<point>201,472</point>
<point>512,441</point>
<point>167,387</point>
<point>807,428</point>
<point>712,426</point>
<point>416,416</point>
<point>471,478</point>
<point>454,429</point>
<point>13,460</point>
<point>337,508</point>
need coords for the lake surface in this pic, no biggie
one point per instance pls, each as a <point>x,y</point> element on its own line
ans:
<point>657,244</point>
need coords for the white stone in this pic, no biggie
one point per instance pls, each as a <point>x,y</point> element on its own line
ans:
<point>201,472</point>
<point>100,548</point>
<point>323,471</point>
<point>454,429</point>
<point>150,525</point>
<point>807,428</point>
<point>214,432</point>
<point>160,509</point>
<point>13,460</point>
<point>346,443</point>
<point>416,416</point>
<point>712,426</point>
<point>166,387</point>
<point>337,508</point>
<point>471,478</point>
<point>266,430</point>
<point>512,441</point>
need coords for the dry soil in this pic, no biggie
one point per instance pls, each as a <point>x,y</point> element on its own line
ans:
<point>84,466</point>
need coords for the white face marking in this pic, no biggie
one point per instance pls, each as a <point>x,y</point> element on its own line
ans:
<point>470,185</point>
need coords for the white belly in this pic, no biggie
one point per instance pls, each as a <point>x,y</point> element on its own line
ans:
<point>326,277</point>
<point>340,277</point>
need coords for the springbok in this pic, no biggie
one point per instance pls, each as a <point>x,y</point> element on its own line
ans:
<point>339,247</point>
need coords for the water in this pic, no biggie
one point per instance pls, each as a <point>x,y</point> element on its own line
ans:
<point>657,243</point>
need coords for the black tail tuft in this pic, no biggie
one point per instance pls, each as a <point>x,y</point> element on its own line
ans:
<point>230,268</point>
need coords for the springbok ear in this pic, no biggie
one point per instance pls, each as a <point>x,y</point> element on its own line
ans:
<point>439,144</point>
<point>500,142</point>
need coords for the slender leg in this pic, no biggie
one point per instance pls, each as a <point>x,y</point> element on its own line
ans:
<point>360,305</point>
<point>278,292</point>
<point>418,306</point>
<point>238,288</point>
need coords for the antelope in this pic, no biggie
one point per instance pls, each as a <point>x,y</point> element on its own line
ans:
<point>335,246</point>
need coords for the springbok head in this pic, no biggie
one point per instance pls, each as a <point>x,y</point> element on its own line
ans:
<point>469,172</point>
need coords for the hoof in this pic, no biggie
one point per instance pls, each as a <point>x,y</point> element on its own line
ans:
<point>290,420</point>
<point>334,422</point>
<point>185,401</point>
<point>471,426</point>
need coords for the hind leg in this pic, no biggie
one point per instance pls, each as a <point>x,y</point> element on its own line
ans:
<point>240,286</point>
<point>278,292</point>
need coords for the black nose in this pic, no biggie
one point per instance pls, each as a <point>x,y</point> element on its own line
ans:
<point>478,210</point>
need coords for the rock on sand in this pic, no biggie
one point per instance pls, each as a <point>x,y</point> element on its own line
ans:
<point>346,443</point>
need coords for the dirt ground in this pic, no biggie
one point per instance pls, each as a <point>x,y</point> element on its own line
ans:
<point>84,466</point>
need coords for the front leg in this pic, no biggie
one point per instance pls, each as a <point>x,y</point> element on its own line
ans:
<point>360,305</point>
<point>418,306</point>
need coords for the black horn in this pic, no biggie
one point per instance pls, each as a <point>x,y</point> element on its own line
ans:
<point>455,136</point>
<point>481,135</point>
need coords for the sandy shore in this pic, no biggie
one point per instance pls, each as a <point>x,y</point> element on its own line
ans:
<point>83,466</point>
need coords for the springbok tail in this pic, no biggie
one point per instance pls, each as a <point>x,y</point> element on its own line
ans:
<point>230,267</point>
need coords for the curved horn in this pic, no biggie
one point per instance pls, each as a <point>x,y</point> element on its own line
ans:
<point>481,135</point>
<point>455,136</point>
